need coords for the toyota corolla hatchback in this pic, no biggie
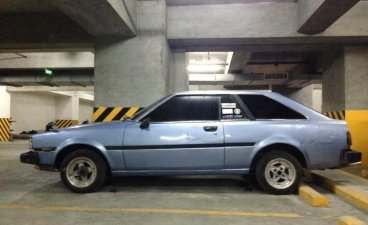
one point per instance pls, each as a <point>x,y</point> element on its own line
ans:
<point>217,132</point>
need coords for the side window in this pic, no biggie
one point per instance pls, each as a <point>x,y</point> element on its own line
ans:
<point>230,109</point>
<point>187,108</point>
<point>263,107</point>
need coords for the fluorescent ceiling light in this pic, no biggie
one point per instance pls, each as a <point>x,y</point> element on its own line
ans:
<point>205,61</point>
<point>204,68</point>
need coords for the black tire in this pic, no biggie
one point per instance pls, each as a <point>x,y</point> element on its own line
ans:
<point>279,164</point>
<point>86,164</point>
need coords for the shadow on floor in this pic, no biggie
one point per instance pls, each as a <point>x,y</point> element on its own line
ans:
<point>185,184</point>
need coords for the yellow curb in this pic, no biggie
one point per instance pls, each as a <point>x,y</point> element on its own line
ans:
<point>352,175</point>
<point>311,196</point>
<point>350,220</point>
<point>355,197</point>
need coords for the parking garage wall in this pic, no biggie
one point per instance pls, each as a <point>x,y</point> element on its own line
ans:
<point>85,110</point>
<point>31,110</point>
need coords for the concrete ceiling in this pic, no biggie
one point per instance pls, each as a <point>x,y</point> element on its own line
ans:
<point>198,61</point>
<point>279,62</point>
<point>294,69</point>
<point>208,2</point>
<point>71,24</point>
<point>26,6</point>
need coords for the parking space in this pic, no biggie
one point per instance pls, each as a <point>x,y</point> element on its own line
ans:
<point>40,197</point>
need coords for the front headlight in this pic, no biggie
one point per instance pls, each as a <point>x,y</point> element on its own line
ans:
<point>30,143</point>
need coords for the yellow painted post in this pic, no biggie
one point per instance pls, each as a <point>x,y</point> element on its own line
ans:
<point>4,129</point>
<point>358,124</point>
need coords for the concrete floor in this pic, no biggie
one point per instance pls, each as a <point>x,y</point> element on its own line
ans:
<point>30,196</point>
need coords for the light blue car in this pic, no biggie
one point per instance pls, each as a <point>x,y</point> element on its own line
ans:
<point>216,132</point>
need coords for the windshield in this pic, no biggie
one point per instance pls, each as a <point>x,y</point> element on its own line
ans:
<point>148,108</point>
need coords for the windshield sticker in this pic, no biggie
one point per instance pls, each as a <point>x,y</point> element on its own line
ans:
<point>227,111</point>
<point>237,111</point>
<point>228,105</point>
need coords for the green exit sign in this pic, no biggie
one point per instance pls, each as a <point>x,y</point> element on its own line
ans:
<point>48,72</point>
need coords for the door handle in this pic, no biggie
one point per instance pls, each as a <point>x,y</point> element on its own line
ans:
<point>210,128</point>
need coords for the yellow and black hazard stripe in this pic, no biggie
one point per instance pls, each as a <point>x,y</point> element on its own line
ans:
<point>106,114</point>
<point>66,123</point>
<point>337,115</point>
<point>4,129</point>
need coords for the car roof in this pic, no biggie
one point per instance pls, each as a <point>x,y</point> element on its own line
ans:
<point>214,92</point>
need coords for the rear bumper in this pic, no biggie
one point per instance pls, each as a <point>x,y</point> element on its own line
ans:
<point>30,157</point>
<point>350,156</point>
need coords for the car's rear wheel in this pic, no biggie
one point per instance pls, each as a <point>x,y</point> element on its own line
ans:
<point>278,172</point>
<point>83,171</point>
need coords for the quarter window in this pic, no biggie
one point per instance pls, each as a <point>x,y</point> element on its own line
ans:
<point>230,109</point>
<point>263,107</point>
<point>187,108</point>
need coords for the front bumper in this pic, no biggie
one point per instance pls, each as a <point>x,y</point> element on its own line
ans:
<point>30,157</point>
<point>350,156</point>
<point>33,157</point>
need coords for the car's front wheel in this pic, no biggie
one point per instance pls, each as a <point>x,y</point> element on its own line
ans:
<point>278,172</point>
<point>83,171</point>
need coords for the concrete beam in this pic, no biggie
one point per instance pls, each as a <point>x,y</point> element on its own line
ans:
<point>46,28</point>
<point>264,19</point>
<point>82,80</point>
<point>315,16</point>
<point>79,94</point>
<point>239,61</point>
<point>46,47</point>
<point>312,43</point>
<point>212,2</point>
<point>46,60</point>
<point>101,18</point>
<point>227,27</point>
<point>298,80</point>
<point>48,89</point>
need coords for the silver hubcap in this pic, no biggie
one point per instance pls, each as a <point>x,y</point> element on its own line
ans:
<point>280,173</point>
<point>81,172</point>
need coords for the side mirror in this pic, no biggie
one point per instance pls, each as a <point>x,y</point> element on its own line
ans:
<point>145,123</point>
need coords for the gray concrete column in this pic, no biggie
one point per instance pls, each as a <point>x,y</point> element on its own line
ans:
<point>179,78</point>
<point>356,74</point>
<point>333,80</point>
<point>345,84</point>
<point>135,72</point>
<point>5,102</point>
<point>303,95</point>
<point>345,88</point>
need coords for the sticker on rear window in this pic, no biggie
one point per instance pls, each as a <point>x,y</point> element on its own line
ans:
<point>227,111</point>
<point>228,105</point>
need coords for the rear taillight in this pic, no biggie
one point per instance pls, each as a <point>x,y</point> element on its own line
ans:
<point>348,137</point>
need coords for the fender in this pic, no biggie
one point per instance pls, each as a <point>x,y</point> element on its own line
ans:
<point>83,141</point>
<point>277,140</point>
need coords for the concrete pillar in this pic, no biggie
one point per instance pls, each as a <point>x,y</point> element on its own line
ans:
<point>333,80</point>
<point>67,107</point>
<point>179,78</point>
<point>302,95</point>
<point>135,72</point>
<point>317,97</point>
<point>345,89</point>
<point>4,114</point>
<point>4,102</point>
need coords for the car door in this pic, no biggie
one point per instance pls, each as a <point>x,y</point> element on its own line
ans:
<point>184,133</point>
<point>238,132</point>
